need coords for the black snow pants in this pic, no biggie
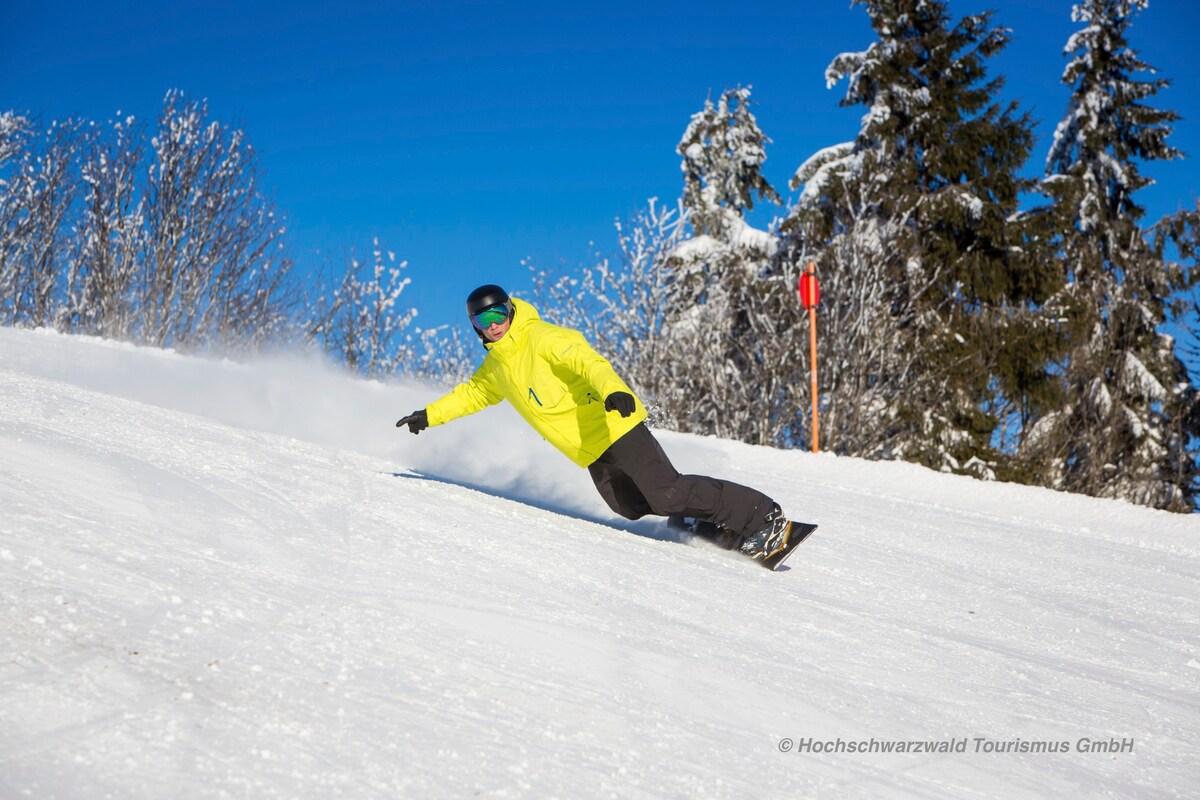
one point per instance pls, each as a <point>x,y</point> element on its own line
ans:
<point>635,478</point>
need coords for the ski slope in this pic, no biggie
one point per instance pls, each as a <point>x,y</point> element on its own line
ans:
<point>240,580</point>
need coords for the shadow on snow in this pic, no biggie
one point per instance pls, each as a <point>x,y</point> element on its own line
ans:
<point>651,527</point>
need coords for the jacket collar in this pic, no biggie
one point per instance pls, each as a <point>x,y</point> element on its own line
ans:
<point>524,315</point>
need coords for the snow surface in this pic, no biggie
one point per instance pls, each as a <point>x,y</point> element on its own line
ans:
<point>224,580</point>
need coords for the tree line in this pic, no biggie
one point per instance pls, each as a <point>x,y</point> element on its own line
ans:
<point>166,237</point>
<point>973,320</point>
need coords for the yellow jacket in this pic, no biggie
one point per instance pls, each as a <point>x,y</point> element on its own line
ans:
<point>554,379</point>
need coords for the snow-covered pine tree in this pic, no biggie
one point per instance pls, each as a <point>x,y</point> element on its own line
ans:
<point>1182,232</point>
<point>727,375</point>
<point>912,225</point>
<point>1129,421</point>
<point>723,152</point>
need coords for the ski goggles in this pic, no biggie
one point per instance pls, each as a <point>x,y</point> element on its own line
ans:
<point>492,315</point>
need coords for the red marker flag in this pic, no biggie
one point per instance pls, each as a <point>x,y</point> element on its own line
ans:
<point>810,290</point>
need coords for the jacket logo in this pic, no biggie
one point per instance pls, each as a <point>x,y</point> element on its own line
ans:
<point>533,394</point>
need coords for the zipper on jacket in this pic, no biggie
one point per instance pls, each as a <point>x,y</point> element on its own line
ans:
<point>534,396</point>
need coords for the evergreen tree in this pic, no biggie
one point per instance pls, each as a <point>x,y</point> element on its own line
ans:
<point>916,218</point>
<point>1130,416</point>
<point>721,318</point>
<point>723,152</point>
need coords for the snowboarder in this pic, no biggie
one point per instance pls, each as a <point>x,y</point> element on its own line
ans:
<point>572,396</point>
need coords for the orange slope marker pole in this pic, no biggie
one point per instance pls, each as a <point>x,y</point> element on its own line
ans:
<point>810,296</point>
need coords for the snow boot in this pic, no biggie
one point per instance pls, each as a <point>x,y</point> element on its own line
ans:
<point>771,538</point>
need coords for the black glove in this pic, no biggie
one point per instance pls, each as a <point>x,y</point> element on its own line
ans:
<point>620,402</point>
<point>416,421</point>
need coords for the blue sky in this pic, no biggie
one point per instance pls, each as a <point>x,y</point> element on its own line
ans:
<point>468,136</point>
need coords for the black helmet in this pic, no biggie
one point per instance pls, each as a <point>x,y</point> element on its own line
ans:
<point>485,297</point>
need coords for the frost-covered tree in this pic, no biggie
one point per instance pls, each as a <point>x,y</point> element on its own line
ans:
<point>356,312</point>
<point>723,152</point>
<point>865,315</point>
<point>621,303</point>
<point>213,267</point>
<point>914,224</point>
<point>1128,423</point>
<point>445,355</point>
<point>36,201</point>
<point>14,133</point>
<point>362,320</point>
<point>170,241</point>
<point>171,245</point>
<point>723,315</point>
<point>103,288</point>
<point>13,128</point>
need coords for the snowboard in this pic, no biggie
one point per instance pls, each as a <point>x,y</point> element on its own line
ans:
<point>797,533</point>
